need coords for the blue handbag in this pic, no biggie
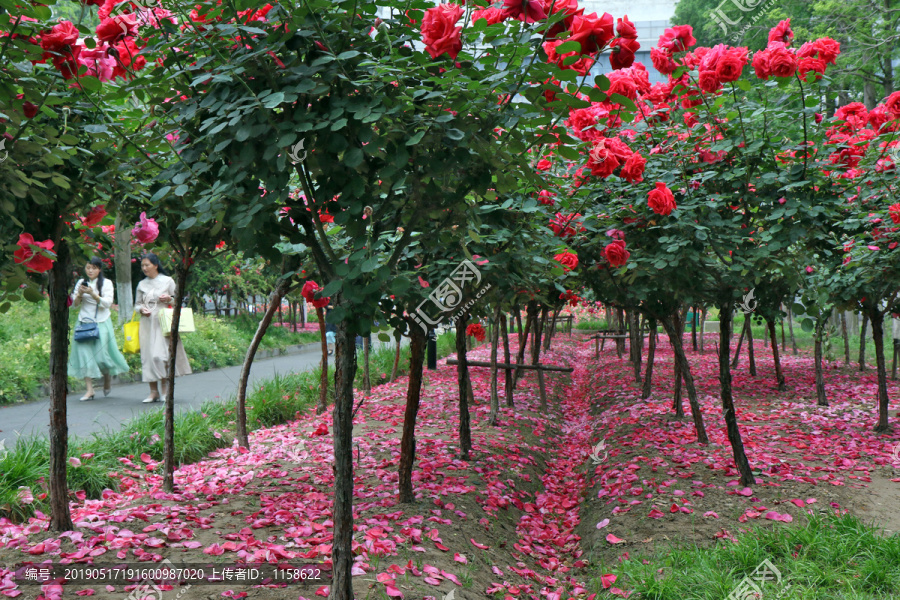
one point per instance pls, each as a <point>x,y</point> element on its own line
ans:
<point>88,330</point>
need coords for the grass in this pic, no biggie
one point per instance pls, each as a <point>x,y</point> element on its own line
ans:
<point>197,433</point>
<point>25,347</point>
<point>831,557</point>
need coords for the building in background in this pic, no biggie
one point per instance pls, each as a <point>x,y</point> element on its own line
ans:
<point>650,18</point>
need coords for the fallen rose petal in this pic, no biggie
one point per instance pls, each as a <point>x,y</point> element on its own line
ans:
<point>607,580</point>
<point>602,523</point>
<point>614,540</point>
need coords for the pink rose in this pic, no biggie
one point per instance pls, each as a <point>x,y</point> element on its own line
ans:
<point>439,32</point>
<point>146,230</point>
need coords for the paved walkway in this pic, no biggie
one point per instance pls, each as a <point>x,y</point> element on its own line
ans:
<point>124,402</point>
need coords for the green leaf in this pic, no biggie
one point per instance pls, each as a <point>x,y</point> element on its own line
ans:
<point>187,223</point>
<point>181,190</point>
<point>416,138</point>
<point>353,157</point>
<point>624,101</point>
<point>370,265</point>
<point>602,82</point>
<point>348,54</point>
<point>474,235</point>
<point>567,47</point>
<point>455,134</point>
<point>333,287</point>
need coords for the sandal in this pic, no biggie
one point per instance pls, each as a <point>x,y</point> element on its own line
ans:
<point>85,398</point>
<point>150,399</point>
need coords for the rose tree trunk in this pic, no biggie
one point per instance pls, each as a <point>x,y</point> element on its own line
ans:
<point>731,424</point>
<point>674,333</point>
<point>413,394</point>
<point>60,517</point>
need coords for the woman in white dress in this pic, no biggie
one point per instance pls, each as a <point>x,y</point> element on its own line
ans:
<point>155,292</point>
<point>100,357</point>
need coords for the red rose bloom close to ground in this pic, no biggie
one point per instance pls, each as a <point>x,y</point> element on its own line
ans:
<point>894,211</point>
<point>661,200</point>
<point>568,260</point>
<point>616,253</point>
<point>29,254</point>
<point>476,331</point>
<point>94,216</point>
<point>439,31</point>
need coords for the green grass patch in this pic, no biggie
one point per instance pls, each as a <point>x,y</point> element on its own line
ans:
<point>25,347</point>
<point>831,557</point>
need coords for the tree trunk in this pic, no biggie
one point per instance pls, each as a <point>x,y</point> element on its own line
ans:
<point>750,357</point>
<point>790,320</point>
<point>519,330</point>
<point>495,342</point>
<point>637,344</point>
<point>673,330</point>
<point>821,398</point>
<point>677,400</point>
<point>342,423</point>
<point>530,318</point>
<point>620,328</point>
<point>783,342</point>
<point>462,381</point>
<point>737,353</point>
<point>694,328</point>
<point>877,318</point>
<point>367,383</point>
<point>731,424</point>
<point>702,325</point>
<point>303,310</point>
<point>536,355</point>
<point>651,356</point>
<point>413,394</point>
<point>322,405</point>
<point>846,337</point>
<point>60,516</point>
<point>551,329</point>
<point>181,274</point>
<point>776,358</point>
<point>507,373</point>
<point>862,343</point>
<point>122,261</point>
<point>396,368</point>
<point>276,295</point>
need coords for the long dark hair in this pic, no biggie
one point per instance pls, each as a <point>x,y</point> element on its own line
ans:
<point>155,260</point>
<point>95,261</point>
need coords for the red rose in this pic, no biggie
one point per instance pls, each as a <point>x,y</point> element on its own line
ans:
<point>709,82</point>
<point>544,165</point>
<point>731,64</point>
<point>546,198</point>
<point>894,211</point>
<point>782,33</point>
<point>761,64</point>
<point>814,65</point>
<point>93,218</point>
<point>622,52</point>
<point>63,35</point>
<point>591,31</point>
<point>662,61</point>
<point>492,15</point>
<point>29,254</point>
<point>616,254</point>
<point>782,60</point>
<point>661,200</point>
<point>529,11</point>
<point>476,331</point>
<point>115,28</point>
<point>602,162</point>
<point>568,260</point>
<point>633,171</point>
<point>626,28</point>
<point>892,105</point>
<point>678,38</point>
<point>828,49</point>
<point>29,109</point>
<point>439,32</point>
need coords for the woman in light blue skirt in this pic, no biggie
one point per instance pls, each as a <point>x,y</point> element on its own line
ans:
<point>98,357</point>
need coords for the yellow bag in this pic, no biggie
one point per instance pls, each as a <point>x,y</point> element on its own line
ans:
<point>132,336</point>
<point>185,325</point>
